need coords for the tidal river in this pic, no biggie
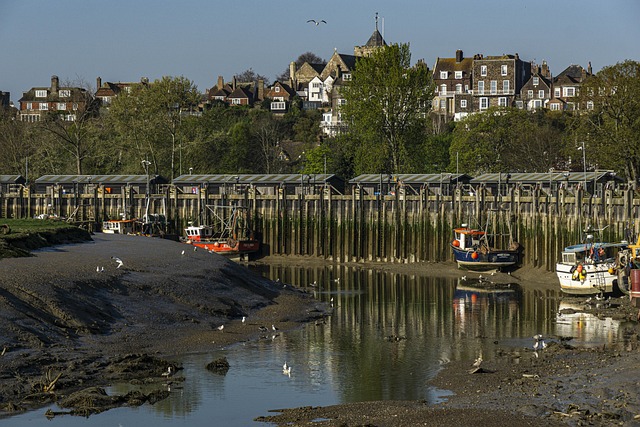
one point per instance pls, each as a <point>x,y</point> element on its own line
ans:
<point>389,334</point>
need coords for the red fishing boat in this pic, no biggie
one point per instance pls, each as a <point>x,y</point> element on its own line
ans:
<point>229,235</point>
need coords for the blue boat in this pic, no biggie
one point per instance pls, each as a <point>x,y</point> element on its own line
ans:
<point>473,250</point>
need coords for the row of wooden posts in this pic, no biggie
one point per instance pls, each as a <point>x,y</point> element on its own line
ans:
<point>357,227</point>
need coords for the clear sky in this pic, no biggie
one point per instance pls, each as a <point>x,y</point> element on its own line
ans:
<point>124,40</point>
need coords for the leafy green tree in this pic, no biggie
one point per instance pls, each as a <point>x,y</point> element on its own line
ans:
<point>387,102</point>
<point>150,121</point>
<point>611,126</point>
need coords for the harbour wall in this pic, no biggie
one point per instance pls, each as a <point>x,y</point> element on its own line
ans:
<point>359,227</point>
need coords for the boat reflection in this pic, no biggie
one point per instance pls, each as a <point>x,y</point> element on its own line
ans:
<point>586,329</point>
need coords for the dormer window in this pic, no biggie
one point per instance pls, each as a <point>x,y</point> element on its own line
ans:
<point>503,70</point>
<point>346,77</point>
<point>65,93</point>
<point>41,93</point>
<point>458,75</point>
<point>444,74</point>
<point>483,70</point>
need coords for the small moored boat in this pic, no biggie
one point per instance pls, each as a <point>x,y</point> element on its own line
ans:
<point>589,268</point>
<point>474,250</point>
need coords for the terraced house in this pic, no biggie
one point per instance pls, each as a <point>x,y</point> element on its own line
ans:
<point>66,102</point>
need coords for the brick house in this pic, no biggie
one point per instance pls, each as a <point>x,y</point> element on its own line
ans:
<point>107,91</point>
<point>566,87</point>
<point>67,102</point>
<point>537,91</point>
<point>498,80</point>
<point>280,95</point>
<point>453,78</point>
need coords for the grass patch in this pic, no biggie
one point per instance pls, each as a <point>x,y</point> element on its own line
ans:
<point>20,236</point>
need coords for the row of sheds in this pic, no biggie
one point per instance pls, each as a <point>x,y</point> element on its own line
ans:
<point>269,184</point>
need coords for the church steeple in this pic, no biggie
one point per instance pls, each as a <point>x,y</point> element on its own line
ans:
<point>375,42</point>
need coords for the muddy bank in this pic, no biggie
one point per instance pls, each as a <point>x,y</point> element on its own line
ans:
<point>70,318</point>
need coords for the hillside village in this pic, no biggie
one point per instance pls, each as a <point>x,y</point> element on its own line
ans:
<point>463,85</point>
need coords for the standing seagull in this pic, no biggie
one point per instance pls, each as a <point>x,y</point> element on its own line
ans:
<point>322,21</point>
<point>118,260</point>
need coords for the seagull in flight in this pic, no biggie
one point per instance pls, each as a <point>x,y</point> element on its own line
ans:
<point>118,261</point>
<point>322,21</point>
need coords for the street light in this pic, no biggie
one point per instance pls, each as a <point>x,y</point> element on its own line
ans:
<point>584,163</point>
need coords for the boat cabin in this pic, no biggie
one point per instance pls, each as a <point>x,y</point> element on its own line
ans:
<point>198,233</point>
<point>467,238</point>
<point>125,226</point>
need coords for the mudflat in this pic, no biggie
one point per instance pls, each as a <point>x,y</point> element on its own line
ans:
<point>71,322</point>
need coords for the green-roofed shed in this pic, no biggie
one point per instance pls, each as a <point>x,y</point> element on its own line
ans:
<point>437,183</point>
<point>111,184</point>
<point>11,183</point>
<point>267,184</point>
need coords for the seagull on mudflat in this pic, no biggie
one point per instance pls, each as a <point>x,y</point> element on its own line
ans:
<point>220,328</point>
<point>322,21</point>
<point>273,327</point>
<point>118,261</point>
<point>183,252</point>
<point>168,372</point>
<point>539,342</point>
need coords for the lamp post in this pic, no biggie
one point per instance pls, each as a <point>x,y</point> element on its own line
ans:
<point>584,163</point>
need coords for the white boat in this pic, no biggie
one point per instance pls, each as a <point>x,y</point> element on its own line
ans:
<point>119,226</point>
<point>589,268</point>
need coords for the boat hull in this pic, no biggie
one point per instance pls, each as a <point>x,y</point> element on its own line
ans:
<point>595,279</point>
<point>229,247</point>
<point>482,261</point>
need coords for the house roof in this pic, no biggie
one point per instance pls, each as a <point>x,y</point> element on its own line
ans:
<point>241,92</point>
<point>450,64</point>
<point>544,177</point>
<point>376,39</point>
<point>572,74</point>
<point>77,94</point>
<point>12,179</point>
<point>410,178</point>
<point>254,179</point>
<point>100,179</point>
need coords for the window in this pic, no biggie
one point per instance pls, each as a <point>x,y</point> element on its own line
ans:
<point>235,101</point>
<point>444,74</point>
<point>61,106</point>
<point>346,77</point>
<point>555,106</point>
<point>65,93</point>
<point>503,69</point>
<point>458,88</point>
<point>277,89</point>
<point>71,118</point>
<point>75,106</point>
<point>505,87</point>
<point>568,91</point>
<point>342,101</point>
<point>556,92</point>
<point>483,70</point>
<point>29,106</point>
<point>541,94</point>
<point>443,104</point>
<point>44,106</point>
<point>494,87</point>
<point>484,103</point>
<point>536,81</point>
<point>589,105</point>
<point>481,87</point>
<point>278,106</point>
<point>443,89</point>
<point>463,103</point>
<point>537,103</point>
<point>41,93</point>
<point>502,101</point>
<point>458,75</point>
<point>529,94</point>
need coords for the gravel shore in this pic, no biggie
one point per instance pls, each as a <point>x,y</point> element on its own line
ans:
<point>67,324</point>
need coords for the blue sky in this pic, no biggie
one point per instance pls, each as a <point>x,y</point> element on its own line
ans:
<point>118,40</point>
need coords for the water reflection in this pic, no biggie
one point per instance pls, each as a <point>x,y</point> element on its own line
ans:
<point>388,335</point>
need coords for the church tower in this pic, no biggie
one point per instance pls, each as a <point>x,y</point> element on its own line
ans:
<point>375,42</point>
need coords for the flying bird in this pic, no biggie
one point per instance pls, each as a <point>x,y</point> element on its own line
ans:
<point>322,21</point>
<point>118,261</point>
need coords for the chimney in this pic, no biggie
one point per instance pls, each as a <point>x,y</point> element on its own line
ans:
<point>292,74</point>
<point>220,82</point>
<point>233,83</point>
<point>98,83</point>
<point>260,90</point>
<point>545,70</point>
<point>54,84</point>
<point>589,69</point>
<point>459,55</point>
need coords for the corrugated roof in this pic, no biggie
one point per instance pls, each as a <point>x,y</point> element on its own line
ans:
<point>432,178</point>
<point>252,178</point>
<point>98,179</point>
<point>537,177</point>
<point>12,179</point>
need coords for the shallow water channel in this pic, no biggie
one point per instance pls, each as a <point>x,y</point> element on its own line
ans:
<point>389,334</point>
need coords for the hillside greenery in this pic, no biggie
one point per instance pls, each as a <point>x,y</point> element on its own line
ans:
<point>390,132</point>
